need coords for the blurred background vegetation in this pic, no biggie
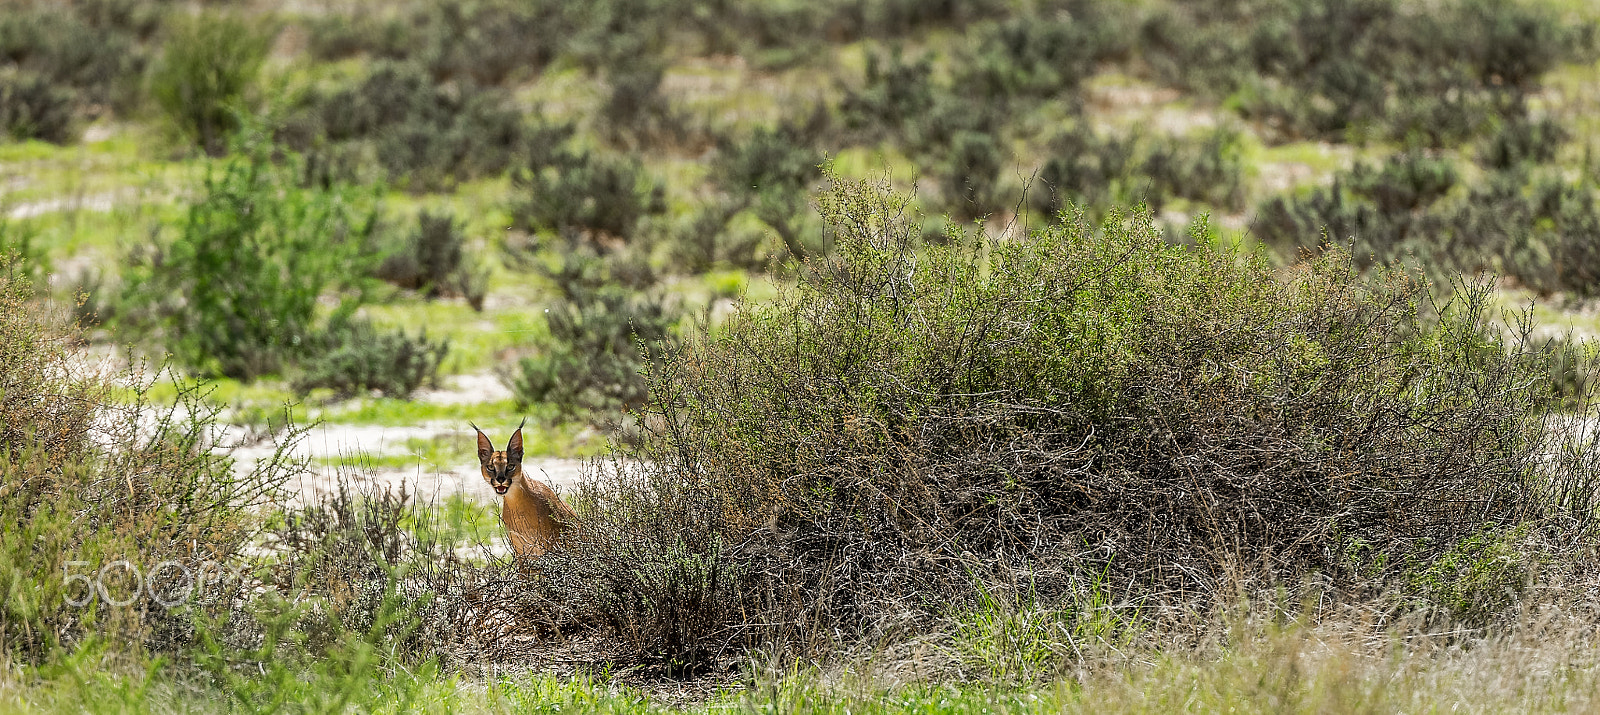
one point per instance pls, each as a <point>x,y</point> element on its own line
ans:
<point>524,189</point>
<point>415,213</point>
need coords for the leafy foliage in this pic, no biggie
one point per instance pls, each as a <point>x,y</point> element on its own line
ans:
<point>96,473</point>
<point>1328,68</point>
<point>351,356</point>
<point>235,293</point>
<point>208,64</point>
<point>580,194</point>
<point>63,62</point>
<point>420,134</point>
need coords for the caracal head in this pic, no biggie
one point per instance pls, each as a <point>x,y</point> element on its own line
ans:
<point>500,469</point>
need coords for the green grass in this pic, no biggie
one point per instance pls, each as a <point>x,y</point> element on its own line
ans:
<point>1282,669</point>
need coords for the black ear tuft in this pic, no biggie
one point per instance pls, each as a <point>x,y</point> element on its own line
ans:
<point>514,447</point>
<point>485,447</point>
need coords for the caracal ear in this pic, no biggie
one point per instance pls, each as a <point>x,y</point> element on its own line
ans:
<point>485,447</point>
<point>514,447</point>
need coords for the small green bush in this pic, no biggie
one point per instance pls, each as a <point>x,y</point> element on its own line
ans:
<point>235,292</point>
<point>970,174</point>
<point>208,64</point>
<point>1208,168</point>
<point>99,480</point>
<point>1381,213</point>
<point>604,335</point>
<point>1039,55</point>
<point>31,107</point>
<point>1482,575</point>
<point>1522,142</point>
<point>64,62</point>
<point>350,356</point>
<point>581,194</point>
<point>434,260</point>
<point>421,134</point>
<point>1537,227</point>
<point>1336,68</point>
<point>767,174</point>
<point>1096,171</point>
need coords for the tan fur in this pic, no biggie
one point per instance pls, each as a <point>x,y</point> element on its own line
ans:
<point>534,515</point>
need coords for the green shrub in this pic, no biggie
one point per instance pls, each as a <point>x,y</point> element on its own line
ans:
<point>433,260</point>
<point>970,174</point>
<point>235,292</point>
<point>1381,213</point>
<point>350,356</point>
<point>1522,142</point>
<point>1082,169</point>
<point>31,107</point>
<point>208,64</point>
<point>1481,576</point>
<point>1536,227</point>
<point>1208,168</point>
<point>421,134</point>
<point>1332,68</point>
<point>22,261</point>
<point>1039,55</point>
<point>580,194</point>
<point>1096,171</point>
<point>766,174</point>
<point>604,334</point>
<point>95,474</point>
<point>64,62</point>
<point>1082,400</point>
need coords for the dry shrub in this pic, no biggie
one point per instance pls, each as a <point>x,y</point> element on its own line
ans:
<point>909,420</point>
<point>93,472</point>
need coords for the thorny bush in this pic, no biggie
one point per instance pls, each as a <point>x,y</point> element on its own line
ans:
<point>1086,400</point>
<point>93,472</point>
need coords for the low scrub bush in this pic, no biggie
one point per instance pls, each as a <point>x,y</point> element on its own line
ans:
<point>1534,226</point>
<point>1381,213</point>
<point>64,62</point>
<point>1522,142</point>
<point>23,262</point>
<point>420,134</point>
<point>1086,402</point>
<point>766,174</point>
<point>101,487</point>
<point>208,65</point>
<point>1095,171</point>
<point>236,292</point>
<point>899,99</point>
<point>969,175</point>
<point>32,107</point>
<point>580,194</point>
<point>434,260</point>
<point>1041,55</point>
<point>606,329</point>
<point>350,356</point>
<point>1332,68</point>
